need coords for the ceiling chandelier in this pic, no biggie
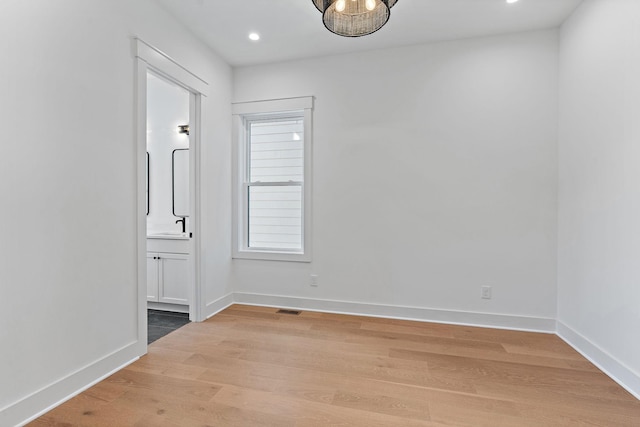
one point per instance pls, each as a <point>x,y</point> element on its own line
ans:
<point>354,18</point>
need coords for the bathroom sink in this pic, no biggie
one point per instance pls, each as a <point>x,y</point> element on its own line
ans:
<point>168,234</point>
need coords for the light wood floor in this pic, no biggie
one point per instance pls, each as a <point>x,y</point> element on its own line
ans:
<point>249,366</point>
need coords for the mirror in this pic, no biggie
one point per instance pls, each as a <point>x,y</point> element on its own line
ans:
<point>180,178</point>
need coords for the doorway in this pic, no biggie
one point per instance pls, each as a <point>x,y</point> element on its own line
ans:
<point>169,109</point>
<point>167,195</point>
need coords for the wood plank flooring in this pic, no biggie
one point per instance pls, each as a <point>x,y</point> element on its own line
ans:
<point>249,366</point>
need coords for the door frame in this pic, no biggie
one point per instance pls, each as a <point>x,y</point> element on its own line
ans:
<point>149,58</point>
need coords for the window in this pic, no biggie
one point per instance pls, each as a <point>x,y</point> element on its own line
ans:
<point>272,179</point>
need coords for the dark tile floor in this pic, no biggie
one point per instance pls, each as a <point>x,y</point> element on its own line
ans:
<point>160,323</point>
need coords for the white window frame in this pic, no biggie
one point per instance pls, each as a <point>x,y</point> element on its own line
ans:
<point>243,112</point>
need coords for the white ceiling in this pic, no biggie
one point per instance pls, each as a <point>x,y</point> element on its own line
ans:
<point>293,29</point>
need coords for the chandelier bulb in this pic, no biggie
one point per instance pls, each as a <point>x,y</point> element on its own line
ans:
<point>341,5</point>
<point>370,4</point>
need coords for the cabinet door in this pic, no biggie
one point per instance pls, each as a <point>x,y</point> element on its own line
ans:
<point>174,280</point>
<point>152,277</point>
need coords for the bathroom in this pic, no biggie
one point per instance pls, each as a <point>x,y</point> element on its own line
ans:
<point>168,205</point>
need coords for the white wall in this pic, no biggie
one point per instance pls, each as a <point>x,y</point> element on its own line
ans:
<point>68,305</point>
<point>435,171</point>
<point>599,209</point>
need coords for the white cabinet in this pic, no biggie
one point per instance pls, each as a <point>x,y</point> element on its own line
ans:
<point>168,278</point>
<point>153,276</point>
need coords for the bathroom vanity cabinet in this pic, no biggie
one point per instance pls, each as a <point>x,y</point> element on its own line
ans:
<point>168,271</point>
<point>167,278</point>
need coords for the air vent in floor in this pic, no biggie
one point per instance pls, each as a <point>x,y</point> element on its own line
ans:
<point>292,312</point>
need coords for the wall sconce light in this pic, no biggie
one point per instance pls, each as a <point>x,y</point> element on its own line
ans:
<point>183,129</point>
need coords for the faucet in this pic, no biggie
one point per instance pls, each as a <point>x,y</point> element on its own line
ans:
<point>184,224</point>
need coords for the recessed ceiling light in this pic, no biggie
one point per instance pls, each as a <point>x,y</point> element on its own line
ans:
<point>254,36</point>
<point>511,1</point>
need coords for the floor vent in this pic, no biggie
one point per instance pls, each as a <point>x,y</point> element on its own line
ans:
<point>292,312</point>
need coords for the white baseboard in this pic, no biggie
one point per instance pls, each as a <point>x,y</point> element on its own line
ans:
<point>608,364</point>
<point>501,321</point>
<point>47,398</point>
<point>163,306</point>
<point>218,305</point>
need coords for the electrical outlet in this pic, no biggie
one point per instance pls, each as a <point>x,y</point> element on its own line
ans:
<point>486,292</point>
<point>314,280</point>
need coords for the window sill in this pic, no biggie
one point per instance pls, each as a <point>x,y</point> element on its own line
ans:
<point>272,256</point>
